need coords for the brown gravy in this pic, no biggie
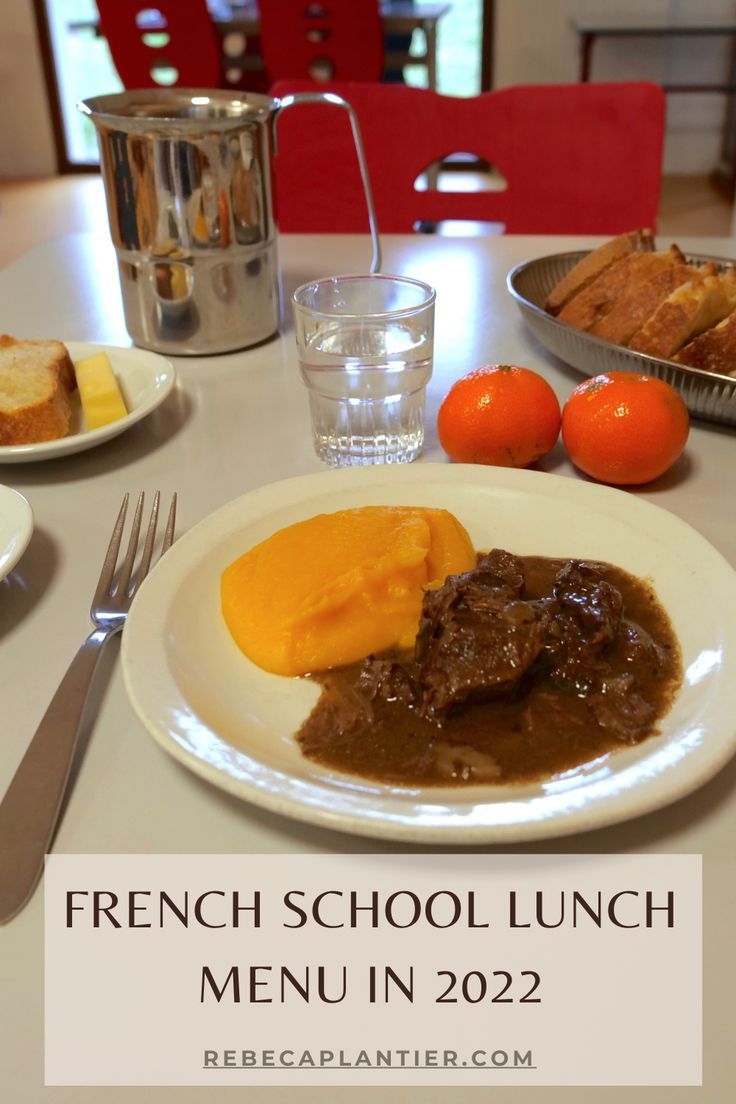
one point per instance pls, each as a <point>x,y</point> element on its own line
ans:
<point>538,729</point>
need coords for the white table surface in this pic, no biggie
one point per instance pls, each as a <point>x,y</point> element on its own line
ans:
<point>234,423</point>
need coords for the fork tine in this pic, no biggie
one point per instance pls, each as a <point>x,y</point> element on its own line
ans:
<point>127,568</point>
<point>111,556</point>
<point>148,549</point>
<point>148,546</point>
<point>170,526</point>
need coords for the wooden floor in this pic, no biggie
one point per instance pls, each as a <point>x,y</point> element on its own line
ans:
<point>692,205</point>
<point>32,211</point>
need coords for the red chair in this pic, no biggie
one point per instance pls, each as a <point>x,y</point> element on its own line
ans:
<point>153,40</point>
<point>577,159</point>
<point>322,40</point>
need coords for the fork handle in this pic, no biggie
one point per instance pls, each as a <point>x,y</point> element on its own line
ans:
<point>30,808</point>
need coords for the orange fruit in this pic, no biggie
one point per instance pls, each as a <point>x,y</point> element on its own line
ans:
<point>624,428</point>
<point>500,414</point>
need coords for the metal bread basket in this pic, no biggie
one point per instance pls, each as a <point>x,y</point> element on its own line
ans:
<point>707,394</point>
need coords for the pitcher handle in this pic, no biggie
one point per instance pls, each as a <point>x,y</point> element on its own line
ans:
<point>296,99</point>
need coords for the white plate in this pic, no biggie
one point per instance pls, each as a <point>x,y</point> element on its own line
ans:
<point>16,527</point>
<point>233,724</point>
<point>145,380</point>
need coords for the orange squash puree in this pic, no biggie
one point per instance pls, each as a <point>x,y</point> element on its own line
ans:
<point>332,589</point>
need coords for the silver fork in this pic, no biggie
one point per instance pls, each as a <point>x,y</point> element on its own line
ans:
<point>30,809</point>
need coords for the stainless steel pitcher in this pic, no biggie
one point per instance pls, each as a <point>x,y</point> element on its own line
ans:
<point>187,178</point>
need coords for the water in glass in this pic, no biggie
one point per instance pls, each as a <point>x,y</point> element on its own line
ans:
<point>367,386</point>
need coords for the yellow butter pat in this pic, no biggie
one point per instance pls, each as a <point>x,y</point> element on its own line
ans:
<point>102,401</point>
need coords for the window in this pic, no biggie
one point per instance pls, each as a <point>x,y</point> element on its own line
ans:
<point>83,67</point>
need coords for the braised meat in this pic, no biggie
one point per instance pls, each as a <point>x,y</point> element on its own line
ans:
<point>618,701</point>
<point>585,614</point>
<point>501,569</point>
<point>389,680</point>
<point>522,668</point>
<point>476,636</point>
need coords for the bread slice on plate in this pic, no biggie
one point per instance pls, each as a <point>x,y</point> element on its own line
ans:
<point>687,312</point>
<point>36,378</point>
<point>714,350</point>
<point>587,308</point>
<point>590,267</point>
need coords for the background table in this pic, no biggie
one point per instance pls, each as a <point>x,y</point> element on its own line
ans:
<point>591,29</point>
<point>240,21</point>
<point>400,17</point>
<point>236,422</point>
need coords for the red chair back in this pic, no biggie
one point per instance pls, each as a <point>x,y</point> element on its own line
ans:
<point>146,36</point>
<point>322,40</point>
<point>577,159</point>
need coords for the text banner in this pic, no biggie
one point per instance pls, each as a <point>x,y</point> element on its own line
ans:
<point>373,970</point>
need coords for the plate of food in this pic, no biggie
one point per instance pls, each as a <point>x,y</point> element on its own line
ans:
<point>628,306</point>
<point>58,398</point>
<point>16,528</point>
<point>299,649</point>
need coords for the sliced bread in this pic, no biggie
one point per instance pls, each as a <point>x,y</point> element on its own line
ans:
<point>714,350</point>
<point>639,302</point>
<point>592,304</point>
<point>591,266</point>
<point>687,312</point>
<point>36,378</point>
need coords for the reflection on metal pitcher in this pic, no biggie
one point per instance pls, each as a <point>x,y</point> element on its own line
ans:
<point>188,184</point>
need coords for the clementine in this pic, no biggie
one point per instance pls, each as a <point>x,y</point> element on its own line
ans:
<point>500,414</point>
<point>624,428</point>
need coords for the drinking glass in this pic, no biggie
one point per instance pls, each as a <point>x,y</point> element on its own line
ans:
<point>365,347</point>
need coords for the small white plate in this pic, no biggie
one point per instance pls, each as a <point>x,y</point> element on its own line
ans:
<point>234,724</point>
<point>16,527</point>
<point>145,380</point>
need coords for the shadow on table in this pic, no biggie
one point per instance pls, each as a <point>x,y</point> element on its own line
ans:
<point>141,440</point>
<point>24,587</point>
